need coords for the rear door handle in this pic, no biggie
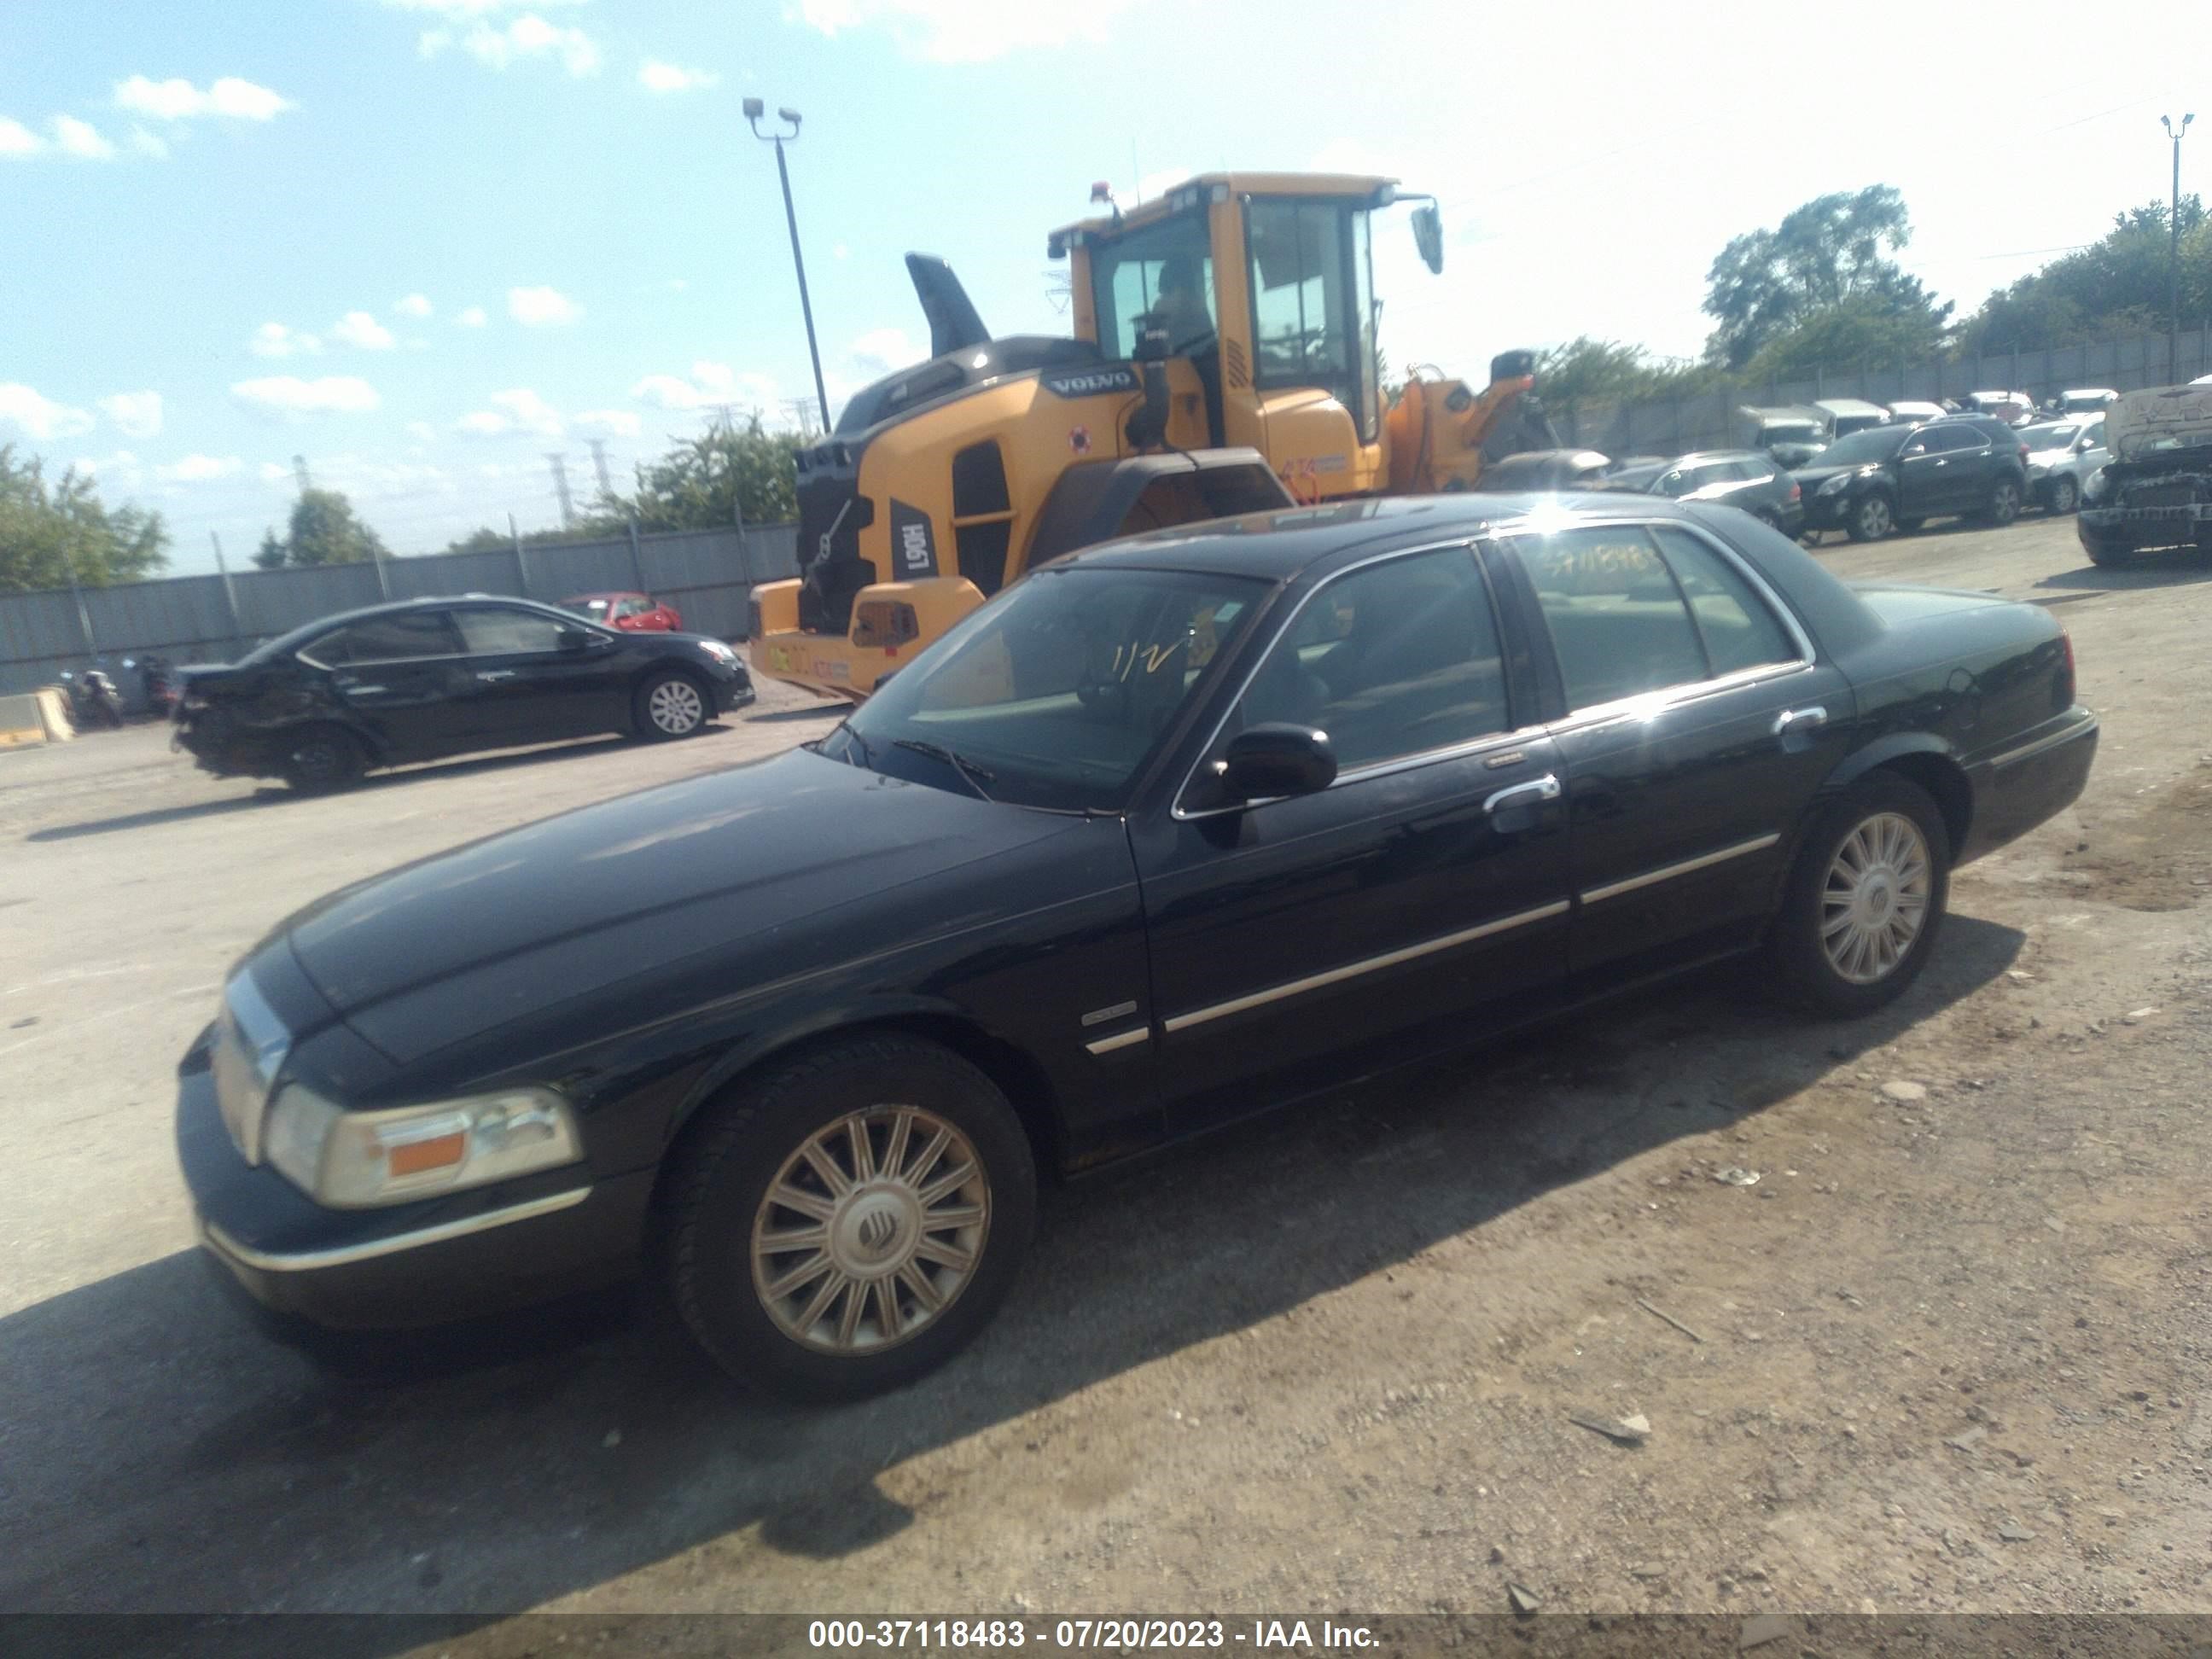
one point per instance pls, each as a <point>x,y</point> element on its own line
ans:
<point>496,674</point>
<point>1531,794</point>
<point>1796,720</point>
<point>354,687</point>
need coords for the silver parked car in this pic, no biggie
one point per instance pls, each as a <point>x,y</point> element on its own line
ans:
<point>2060,455</point>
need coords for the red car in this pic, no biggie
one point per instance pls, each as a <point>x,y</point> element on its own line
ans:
<point>634,613</point>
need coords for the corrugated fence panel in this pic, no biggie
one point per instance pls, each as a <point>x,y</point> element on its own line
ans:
<point>569,568</point>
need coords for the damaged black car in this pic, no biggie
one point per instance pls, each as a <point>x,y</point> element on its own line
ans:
<point>2156,492</point>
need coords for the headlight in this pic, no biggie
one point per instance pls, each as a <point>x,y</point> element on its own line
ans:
<point>2096,485</point>
<point>356,1160</point>
<point>1835,486</point>
<point>718,651</point>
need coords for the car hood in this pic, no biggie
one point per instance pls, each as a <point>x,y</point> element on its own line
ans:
<point>2163,418</point>
<point>1810,479</point>
<point>591,897</point>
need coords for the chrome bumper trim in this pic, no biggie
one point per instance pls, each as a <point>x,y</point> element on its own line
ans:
<point>344,1254</point>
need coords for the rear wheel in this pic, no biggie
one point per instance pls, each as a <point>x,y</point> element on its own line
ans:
<point>320,759</point>
<point>2003,503</point>
<point>850,1222</point>
<point>671,704</point>
<point>1871,519</point>
<point>2065,496</point>
<point>1866,899</point>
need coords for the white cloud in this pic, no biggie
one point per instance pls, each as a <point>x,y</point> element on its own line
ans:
<point>16,139</point>
<point>967,31</point>
<point>841,251</point>
<point>274,472</point>
<point>287,394</point>
<point>518,410</point>
<point>470,7</point>
<point>615,422</point>
<point>472,317</point>
<point>275,340</point>
<point>40,417</point>
<point>136,414</point>
<point>81,138</point>
<point>527,36</point>
<point>358,328</point>
<point>541,307</point>
<point>710,384</point>
<point>147,144</point>
<point>415,304</point>
<point>880,350</point>
<point>198,468</point>
<point>120,469</point>
<point>421,431</point>
<point>656,77</point>
<point>179,100</point>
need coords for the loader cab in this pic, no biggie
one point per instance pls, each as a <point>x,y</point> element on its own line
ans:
<point>1264,285</point>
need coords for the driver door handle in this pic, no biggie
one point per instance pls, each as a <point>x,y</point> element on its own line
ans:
<point>1532,794</point>
<point>492,674</point>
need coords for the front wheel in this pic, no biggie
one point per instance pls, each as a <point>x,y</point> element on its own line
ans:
<point>848,1224</point>
<point>2065,496</point>
<point>1866,899</point>
<point>2004,502</point>
<point>1871,520</point>
<point>671,704</point>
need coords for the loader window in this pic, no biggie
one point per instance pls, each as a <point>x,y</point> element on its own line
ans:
<point>1167,267</point>
<point>1310,288</point>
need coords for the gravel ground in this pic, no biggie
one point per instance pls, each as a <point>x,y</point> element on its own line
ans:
<point>1948,1353</point>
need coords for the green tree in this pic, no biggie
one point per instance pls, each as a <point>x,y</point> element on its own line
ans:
<point>1861,329</point>
<point>50,532</point>
<point>1587,372</point>
<point>1765,284</point>
<point>697,483</point>
<point>325,529</point>
<point>2116,285</point>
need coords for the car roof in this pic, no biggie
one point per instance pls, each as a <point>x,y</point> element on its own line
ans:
<point>599,593</point>
<point>1700,457</point>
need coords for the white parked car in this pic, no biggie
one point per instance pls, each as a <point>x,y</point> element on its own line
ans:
<point>1909,411</point>
<point>2060,455</point>
<point>2086,400</point>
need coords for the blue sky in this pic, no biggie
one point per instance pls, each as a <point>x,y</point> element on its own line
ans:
<point>422,242</point>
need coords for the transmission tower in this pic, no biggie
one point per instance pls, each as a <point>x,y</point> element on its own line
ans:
<point>599,465</point>
<point>300,474</point>
<point>561,489</point>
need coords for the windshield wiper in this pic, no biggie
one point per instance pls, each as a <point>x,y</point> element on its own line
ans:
<point>973,775</point>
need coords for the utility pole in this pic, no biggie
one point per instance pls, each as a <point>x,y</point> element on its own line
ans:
<point>561,489</point>
<point>754,109</point>
<point>599,465</point>
<point>2174,255</point>
<point>229,596</point>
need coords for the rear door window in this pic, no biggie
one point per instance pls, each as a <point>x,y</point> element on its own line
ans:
<point>1736,626</point>
<point>1618,624</point>
<point>396,636</point>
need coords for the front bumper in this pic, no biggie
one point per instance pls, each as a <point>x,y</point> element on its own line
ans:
<point>460,1256</point>
<point>2030,782</point>
<point>1828,512</point>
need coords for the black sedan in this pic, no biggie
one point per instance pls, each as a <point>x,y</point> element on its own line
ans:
<point>1172,828</point>
<point>427,679</point>
<point>1748,479</point>
<point>1882,478</point>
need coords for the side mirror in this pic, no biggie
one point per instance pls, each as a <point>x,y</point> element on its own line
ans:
<point>1278,758</point>
<point>573,639</point>
<point>1429,237</point>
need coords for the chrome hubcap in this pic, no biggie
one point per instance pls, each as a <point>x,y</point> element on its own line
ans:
<point>676,706</point>
<point>871,1230</point>
<point>1873,517</point>
<point>1874,901</point>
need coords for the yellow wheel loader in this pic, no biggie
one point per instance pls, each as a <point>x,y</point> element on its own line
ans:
<point>1223,362</point>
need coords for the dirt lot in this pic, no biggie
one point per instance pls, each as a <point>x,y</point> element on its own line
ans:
<point>1950,1351</point>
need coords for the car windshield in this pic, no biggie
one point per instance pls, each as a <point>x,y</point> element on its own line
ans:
<point>1876,443</point>
<point>595,608</point>
<point>1055,693</point>
<point>2048,437</point>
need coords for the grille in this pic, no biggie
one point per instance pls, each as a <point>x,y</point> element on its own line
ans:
<point>2174,495</point>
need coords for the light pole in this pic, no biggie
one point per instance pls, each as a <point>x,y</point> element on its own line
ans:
<point>2174,255</point>
<point>755,109</point>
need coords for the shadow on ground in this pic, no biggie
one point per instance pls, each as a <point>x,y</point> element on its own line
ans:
<point>162,1457</point>
<point>2170,568</point>
<point>402,778</point>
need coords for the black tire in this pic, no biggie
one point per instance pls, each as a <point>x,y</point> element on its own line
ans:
<point>717,1198</point>
<point>1804,969</point>
<point>1870,517</point>
<point>2064,496</point>
<point>661,710</point>
<point>320,760</point>
<point>2004,504</point>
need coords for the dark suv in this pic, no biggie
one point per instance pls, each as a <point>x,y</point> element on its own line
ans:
<point>427,679</point>
<point>1894,478</point>
<point>1748,479</point>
